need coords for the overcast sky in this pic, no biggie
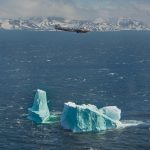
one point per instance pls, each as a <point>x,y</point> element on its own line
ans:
<point>76,9</point>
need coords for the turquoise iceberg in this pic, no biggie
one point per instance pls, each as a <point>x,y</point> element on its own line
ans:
<point>39,112</point>
<point>112,112</point>
<point>86,118</point>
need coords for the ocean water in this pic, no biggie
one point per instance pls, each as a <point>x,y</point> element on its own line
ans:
<point>111,68</point>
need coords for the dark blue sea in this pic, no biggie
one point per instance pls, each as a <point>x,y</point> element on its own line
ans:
<point>108,68</point>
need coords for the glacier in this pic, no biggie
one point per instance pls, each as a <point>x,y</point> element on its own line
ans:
<point>86,118</point>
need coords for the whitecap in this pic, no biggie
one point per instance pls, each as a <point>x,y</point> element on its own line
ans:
<point>130,123</point>
<point>121,77</point>
<point>146,100</point>
<point>111,74</point>
<point>48,60</point>
<point>84,80</point>
<point>21,108</point>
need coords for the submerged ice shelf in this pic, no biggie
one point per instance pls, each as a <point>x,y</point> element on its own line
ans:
<point>39,112</point>
<point>86,118</point>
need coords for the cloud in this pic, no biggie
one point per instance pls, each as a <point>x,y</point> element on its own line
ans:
<point>26,8</point>
<point>76,9</point>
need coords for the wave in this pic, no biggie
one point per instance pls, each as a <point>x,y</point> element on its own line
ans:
<point>130,123</point>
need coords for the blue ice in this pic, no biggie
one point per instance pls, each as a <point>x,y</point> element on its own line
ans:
<point>86,118</point>
<point>39,112</point>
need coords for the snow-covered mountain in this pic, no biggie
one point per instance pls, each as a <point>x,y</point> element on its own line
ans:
<point>47,24</point>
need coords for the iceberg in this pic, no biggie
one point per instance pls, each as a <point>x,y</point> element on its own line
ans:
<point>39,112</point>
<point>112,112</point>
<point>86,118</point>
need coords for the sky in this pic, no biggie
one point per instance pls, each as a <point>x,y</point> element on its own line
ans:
<point>76,9</point>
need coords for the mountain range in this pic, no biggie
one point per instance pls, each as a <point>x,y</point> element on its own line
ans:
<point>48,24</point>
